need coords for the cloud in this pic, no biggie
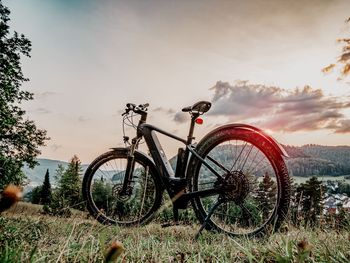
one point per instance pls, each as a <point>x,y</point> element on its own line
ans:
<point>55,147</point>
<point>42,111</point>
<point>278,109</point>
<point>164,110</point>
<point>343,126</point>
<point>83,119</point>
<point>45,94</point>
<point>180,117</point>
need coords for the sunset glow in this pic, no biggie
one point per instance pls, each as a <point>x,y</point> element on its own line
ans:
<point>258,62</point>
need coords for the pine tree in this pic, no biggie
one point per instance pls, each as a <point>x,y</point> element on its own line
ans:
<point>267,195</point>
<point>19,137</point>
<point>294,202</point>
<point>67,195</point>
<point>311,196</point>
<point>45,194</point>
<point>70,183</point>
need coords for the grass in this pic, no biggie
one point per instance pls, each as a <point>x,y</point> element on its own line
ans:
<point>28,236</point>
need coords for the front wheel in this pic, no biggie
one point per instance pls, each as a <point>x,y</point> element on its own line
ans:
<point>102,189</point>
<point>253,190</point>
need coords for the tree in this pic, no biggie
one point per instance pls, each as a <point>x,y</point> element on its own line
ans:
<point>19,137</point>
<point>68,192</point>
<point>45,193</point>
<point>70,182</point>
<point>311,195</point>
<point>267,195</point>
<point>344,58</point>
<point>34,195</point>
<point>102,193</point>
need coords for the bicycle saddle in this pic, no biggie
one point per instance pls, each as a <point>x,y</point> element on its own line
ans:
<point>199,107</point>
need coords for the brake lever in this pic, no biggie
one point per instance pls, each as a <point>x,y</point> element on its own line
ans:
<point>126,112</point>
<point>143,106</point>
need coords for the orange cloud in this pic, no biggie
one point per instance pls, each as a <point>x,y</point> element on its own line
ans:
<point>304,109</point>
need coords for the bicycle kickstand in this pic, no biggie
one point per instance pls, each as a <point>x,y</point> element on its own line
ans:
<point>206,220</point>
<point>176,218</point>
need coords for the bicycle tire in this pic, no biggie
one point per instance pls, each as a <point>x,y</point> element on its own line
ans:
<point>102,183</point>
<point>239,224</point>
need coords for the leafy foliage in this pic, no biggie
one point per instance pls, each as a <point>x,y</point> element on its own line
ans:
<point>344,58</point>
<point>310,196</point>
<point>69,185</point>
<point>68,192</point>
<point>34,195</point>
<point>19,137</point>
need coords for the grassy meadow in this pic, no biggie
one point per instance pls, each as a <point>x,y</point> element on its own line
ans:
<point>28,236</point>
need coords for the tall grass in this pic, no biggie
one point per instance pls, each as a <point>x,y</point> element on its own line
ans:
<point>40,238</point>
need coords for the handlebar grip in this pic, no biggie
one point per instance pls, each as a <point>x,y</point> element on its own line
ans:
<point>130,105</point>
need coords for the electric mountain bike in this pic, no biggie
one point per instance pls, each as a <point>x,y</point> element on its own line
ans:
<point>235,177</point>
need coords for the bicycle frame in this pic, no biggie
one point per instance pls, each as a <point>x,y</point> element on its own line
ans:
<point>158,155</point>
<point>175,186</point>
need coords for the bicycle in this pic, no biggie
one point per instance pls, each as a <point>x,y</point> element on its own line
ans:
<point>235,177</point>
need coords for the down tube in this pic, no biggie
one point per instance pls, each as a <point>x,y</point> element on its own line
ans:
<point>193,151</point>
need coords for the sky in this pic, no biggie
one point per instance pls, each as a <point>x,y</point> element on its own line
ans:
<point>259,62</point>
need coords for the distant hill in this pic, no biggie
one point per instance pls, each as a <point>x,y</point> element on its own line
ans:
<point>36,176</point>
<point>304,161</point>
<point>311,159</point>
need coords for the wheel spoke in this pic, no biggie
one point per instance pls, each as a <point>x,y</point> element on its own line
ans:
<point>246,158</point>
<point>249,203</point>
<point>245,144</point>
<point>133,206</point>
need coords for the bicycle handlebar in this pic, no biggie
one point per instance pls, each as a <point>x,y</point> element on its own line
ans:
<point>141,109</point>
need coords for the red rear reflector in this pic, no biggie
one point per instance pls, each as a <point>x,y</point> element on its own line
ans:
<point>199,121</point>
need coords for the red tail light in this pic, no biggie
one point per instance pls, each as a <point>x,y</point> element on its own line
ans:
<point>199,121</point>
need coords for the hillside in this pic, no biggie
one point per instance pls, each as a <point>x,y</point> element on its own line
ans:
<point>36,176</point>
<point>318,160</point>
<point>309,160</point>
<point>304,161</point>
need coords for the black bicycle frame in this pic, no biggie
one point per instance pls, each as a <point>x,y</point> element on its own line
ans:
<point>175,185</point>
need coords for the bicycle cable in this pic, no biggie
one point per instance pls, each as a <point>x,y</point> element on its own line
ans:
<point>128,120</point>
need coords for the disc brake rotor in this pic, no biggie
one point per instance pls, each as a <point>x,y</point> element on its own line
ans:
<point>116,192</point>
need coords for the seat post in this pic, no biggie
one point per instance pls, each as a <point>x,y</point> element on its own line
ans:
<point>190,137</point>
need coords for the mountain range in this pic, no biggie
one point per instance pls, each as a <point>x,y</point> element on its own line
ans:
<point>304,161</point>
<point>36,176</point>
<point>318,160</point>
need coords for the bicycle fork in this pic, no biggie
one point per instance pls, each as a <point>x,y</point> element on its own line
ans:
<point>129,169</point>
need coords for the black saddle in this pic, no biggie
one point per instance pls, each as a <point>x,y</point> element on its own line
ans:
<point>199,107</point>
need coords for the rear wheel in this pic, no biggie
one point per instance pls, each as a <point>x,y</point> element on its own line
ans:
<point>253,192</point>
<point>102,185</point>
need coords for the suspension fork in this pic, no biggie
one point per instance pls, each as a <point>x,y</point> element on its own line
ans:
<point>129,167</point>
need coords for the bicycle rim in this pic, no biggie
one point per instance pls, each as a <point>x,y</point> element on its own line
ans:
<point>251,190</point>
<point>108,202</point>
